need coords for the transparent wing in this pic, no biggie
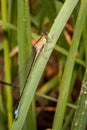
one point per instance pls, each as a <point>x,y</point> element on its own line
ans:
<point>18,85</point>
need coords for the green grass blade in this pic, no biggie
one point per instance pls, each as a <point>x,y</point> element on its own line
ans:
<point>25,49</point>
<point>50,13</point>
<point>80,118</point>
<point>49,85</point>
<point>65,52</point>
<point>85,40</point>
<point>24,36</point>
<point>67,75</point>
<point>6,24</point>
<point>41,62</point>
<point>7,66</point>
<point>30,122</point>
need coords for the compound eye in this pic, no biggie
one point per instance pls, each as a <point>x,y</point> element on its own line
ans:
<point>44,34</point>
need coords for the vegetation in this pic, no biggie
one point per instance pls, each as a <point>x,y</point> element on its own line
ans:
<point>55,94</point>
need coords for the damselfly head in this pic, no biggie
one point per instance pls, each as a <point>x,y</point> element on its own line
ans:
<point>44,34</point>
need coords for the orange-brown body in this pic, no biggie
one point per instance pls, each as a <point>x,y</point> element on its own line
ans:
<point>39,44</point>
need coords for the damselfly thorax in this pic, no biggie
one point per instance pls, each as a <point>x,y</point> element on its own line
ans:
<point>39,44</point>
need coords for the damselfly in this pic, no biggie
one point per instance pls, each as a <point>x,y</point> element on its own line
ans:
<point>38,45</point>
